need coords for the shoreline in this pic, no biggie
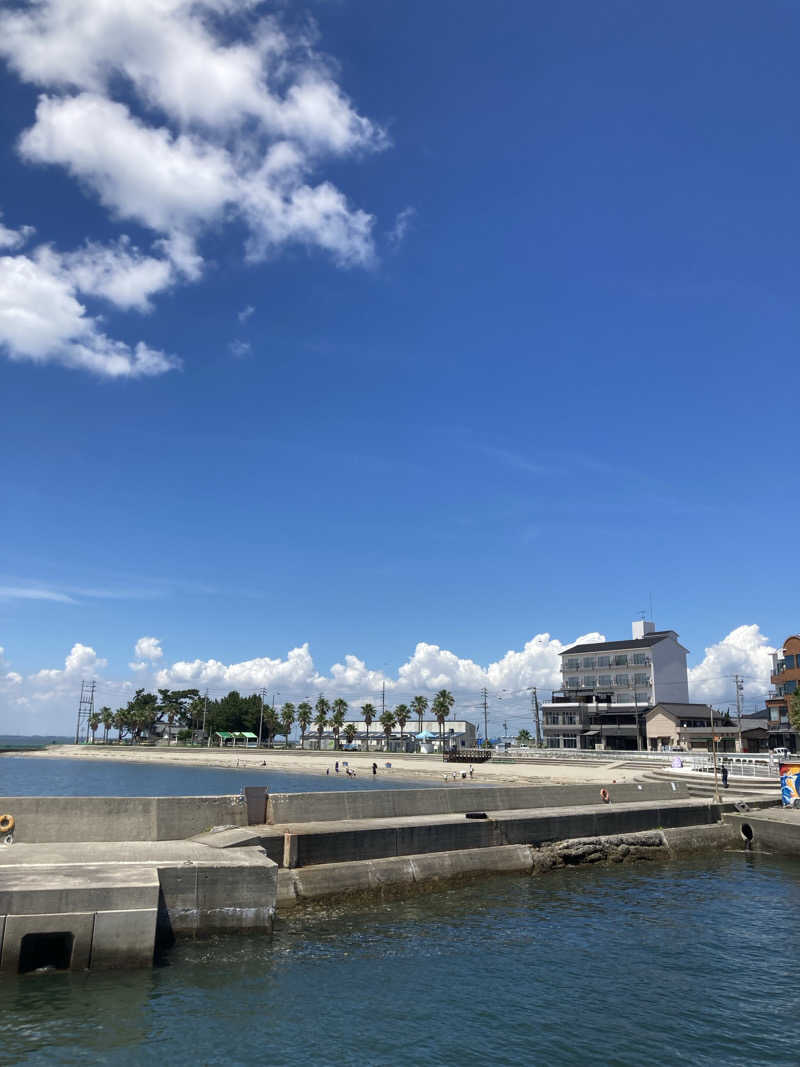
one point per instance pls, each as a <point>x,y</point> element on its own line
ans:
<point>404,766</point>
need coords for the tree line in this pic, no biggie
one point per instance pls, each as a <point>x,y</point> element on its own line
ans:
<point>186,711</point>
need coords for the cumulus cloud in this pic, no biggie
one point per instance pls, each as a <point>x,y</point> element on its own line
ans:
<point>42,318</point>
<point>245,313</point>
<point>744,651</point>
<point>148,648</point>
<point>227,117</point>
<point>12,239</point>
<point>240,349</point>
<point>80,660</point>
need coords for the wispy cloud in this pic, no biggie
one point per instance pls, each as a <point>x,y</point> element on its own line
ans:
<point>17,592</point>
<point>401,225</point>
<point>240,349</point>
<point>245,313</point>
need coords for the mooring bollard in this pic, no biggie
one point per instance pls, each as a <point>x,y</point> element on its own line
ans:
<point>289,849</point>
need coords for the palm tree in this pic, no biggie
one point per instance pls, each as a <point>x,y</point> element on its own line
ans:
<point>419,706</point>
<point>402,713</point>
<point>337,719</point>
<point>93,722</point>
<point>107,719</point>
<point>303,720</point>
<point>524,737</point>
<point>322,708</point>
<point>387,721</point>
<point>442,703</point>
<point>368,711</point>
<point>350,732</point>
<point>287,718</point>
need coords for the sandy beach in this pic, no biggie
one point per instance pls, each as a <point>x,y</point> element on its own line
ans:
<point>406,767</point>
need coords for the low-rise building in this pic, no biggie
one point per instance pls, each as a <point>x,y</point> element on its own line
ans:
<point>689,727</point>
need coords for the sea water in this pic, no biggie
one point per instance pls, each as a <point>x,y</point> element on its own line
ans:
<point>663,963</point>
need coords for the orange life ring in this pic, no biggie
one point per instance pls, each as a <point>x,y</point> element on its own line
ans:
<point>6,824</point>
<point>604,795</point>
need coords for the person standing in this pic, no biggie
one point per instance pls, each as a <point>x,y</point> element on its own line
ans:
<point>374,769</point>
<point>724,776</point>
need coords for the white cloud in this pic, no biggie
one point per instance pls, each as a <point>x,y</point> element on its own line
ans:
<point>148,648</point>
<point>15,592</point>
<point>12,239</point>
<point>240,349</point>
<point>42,319</point>
<point>401,225</point>
<point>245,313</point>
<point>13,678</point>
<point>81,659</point>
<point>226,117</point>
<point>744,651</point>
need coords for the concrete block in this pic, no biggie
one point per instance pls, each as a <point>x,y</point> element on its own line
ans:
<point>80,925</point>
<point>503,859</point>
<point>123,938</point>
<point>228,837</point>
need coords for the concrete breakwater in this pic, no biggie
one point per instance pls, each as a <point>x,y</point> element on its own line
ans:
<point>100,882</point>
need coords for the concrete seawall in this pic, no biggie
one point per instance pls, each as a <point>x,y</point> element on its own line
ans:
<point>398,875</point>
<point>44,819</point>
<point>285,808</point>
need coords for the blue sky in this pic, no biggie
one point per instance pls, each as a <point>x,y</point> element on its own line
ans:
<point>521,352</point>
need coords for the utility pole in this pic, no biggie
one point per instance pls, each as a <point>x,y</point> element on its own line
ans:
<point>85,708</point>
<point>485,695</point>
<point>205,710</point>
<point>383,698</point>
<point>739,690</point>
<point>536,720</point>
<point>262,693</point>
<point>714,753</point>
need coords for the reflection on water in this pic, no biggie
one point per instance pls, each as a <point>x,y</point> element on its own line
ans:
<point>671,963</point>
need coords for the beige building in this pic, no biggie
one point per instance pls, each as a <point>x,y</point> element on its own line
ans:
<point>688,727</point>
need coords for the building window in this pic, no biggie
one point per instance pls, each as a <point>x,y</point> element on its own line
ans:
<point>570,718</point>
<point>603,661</point>
<point>588,661</point>
<point>642,699</point>
<point>623,698</point>
<point>588,681</point>
<point>641,679</point>
<point>621,661</point>
<point>788,663</point>
<point>554,742</point>
<point>573,683</point>
<point>572,664</point>
<point>639,659</point>
<point>604,681</point>
<point>570,741</point>
<point>622,680</point>
<point>789,687</point>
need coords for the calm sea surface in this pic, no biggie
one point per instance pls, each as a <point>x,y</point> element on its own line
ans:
<point>34,776</point>
<point>678,963</point>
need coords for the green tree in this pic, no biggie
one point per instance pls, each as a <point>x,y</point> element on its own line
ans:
<point>442,703</point>
<point>93,723</point>
<point>368,712</point>
<point>287,719</point>
<point>524,737</point>
<point>339,707</point>
<point>350,732</point>
<point>304,713</point>
<point>107,719</point>
<point>419,706</point>
<point>402,714</point>
<point>140,714</point>
<point>794,710</point>
<point>387,721</point>
<point>322,709</point>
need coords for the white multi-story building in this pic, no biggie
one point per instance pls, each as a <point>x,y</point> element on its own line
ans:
<point>606,686</point>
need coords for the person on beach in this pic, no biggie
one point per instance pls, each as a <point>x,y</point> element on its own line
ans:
<point>374,769</point>
<point>470,770</point>
<point>337,766</point>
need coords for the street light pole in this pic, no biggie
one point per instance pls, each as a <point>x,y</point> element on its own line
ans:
<point>714,754</point>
